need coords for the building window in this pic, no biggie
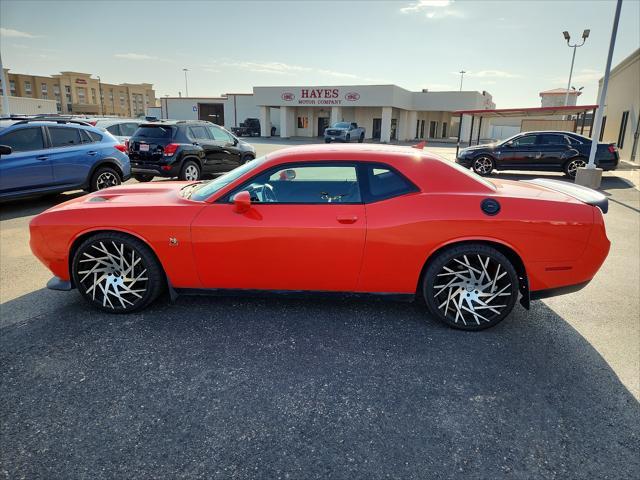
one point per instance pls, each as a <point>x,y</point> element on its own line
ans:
<point>146,99</point>
<point>444,129</point>
<point>12,87</point>
<point>94,98</point>
<point>27,88</point>
<point>122,100</point>
<point>81,94</point>
<point>303,122</point>
<point>604,123</point>
<point>58,107</point>
<point>43,88</point>
<point>623,128</point>
<point>56,90</point>
<point>69,109</point>
<point>111,95</point>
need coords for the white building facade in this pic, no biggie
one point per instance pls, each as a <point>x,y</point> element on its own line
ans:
<point>387,112</point>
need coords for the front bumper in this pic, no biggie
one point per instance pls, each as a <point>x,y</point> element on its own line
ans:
<point>465,162</point>
<point>57,283</point>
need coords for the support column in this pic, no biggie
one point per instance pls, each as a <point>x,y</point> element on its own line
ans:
<point>479,131</point>
<point>403,131</point>
<point>385,128</point>
<point>412,120</point>
<point>285,127</point>
<point>265,121</point>
<point>336,115</point>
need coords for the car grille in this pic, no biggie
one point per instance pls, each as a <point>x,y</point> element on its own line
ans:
<point>334,132</point>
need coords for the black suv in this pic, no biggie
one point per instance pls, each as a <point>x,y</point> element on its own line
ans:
<point>187,149</point>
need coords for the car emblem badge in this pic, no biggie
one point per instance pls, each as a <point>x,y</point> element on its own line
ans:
<point>173,241</point>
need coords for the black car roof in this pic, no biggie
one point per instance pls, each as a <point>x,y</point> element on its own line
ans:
<point>164,123</point>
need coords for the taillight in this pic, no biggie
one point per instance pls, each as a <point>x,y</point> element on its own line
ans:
<point>126,144</point>
<point>612,149</point>
<point>170,149</point>
<point>93,122</point>
<point>121,147</point>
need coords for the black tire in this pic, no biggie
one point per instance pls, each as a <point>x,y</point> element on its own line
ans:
<point>247,158</point>
<point>190,171</point>
<point>110,279</point>
<point>104,177</point>
<point>469,286</point>
<point>483,165</point>
<point>326,140</point>
<point>143,178</point>
<point>361,138</point>
<point>571,166</point>
<point>347,138</point>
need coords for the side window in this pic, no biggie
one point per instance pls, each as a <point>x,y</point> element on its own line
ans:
<point>525,141</point>
<point>386,183</point>
<point>24,139</point>
<point>551,139</point>
<point>114,130</point>
<point>127,129</point>
<point>317,184</point>
<point>95,137</point>
<point>220,135</point>
<point>198,132</point>
<point>64,137</point>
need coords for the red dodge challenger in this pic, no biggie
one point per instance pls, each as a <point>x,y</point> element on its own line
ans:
<point>361,219</point>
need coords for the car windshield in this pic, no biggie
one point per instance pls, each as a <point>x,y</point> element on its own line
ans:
<point>206,189</point>
<point>154,131</point>
<point>341,125</point>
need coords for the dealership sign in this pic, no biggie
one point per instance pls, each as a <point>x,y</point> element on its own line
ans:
<point>320,96</point>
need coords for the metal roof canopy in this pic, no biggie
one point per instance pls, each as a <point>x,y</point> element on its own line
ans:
<point>520,112</point>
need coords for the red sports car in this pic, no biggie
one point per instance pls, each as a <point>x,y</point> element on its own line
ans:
<point>325,218</point>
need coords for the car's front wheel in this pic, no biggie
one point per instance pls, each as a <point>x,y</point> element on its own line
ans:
<point>572,166</point>
<point>104,177</point>
<point>347,138</point>
<point>483,165</point>
<point>361,138</point>
<point>470,287</point>
<point>116,272</point>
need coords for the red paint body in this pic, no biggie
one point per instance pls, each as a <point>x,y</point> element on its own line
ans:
<point>378,247</point>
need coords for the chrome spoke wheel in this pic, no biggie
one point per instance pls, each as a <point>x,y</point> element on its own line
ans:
<point>572,168</point>
<point>472,289</point>
<point>112,274</point>
<point>106,180</point>
<point>191,173</point>
<point>483,165</point>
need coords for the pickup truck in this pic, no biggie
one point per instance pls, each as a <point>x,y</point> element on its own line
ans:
<point>249,128</point>
<point>344,132</point>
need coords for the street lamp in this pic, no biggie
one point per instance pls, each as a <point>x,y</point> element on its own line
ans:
<point>461,72</point>
<point>567,37</point>
<point>186,85</point>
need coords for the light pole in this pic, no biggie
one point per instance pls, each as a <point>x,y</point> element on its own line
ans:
<point>186,85</point>
<point>567,37</point>
<point>461,72</point>
<point>101,99</point>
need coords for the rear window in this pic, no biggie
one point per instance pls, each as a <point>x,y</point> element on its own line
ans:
<point>160,131</point>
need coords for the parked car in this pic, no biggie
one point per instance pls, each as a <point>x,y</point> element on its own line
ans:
<point>344,132</point>
<point>547,151</point>
<point>187,149</point>
<point>121,128</point>
<point>249,128</point>
<point>52,156</point>
<point>389,220</point>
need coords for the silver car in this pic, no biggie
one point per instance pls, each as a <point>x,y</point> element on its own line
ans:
<point>121,128</point>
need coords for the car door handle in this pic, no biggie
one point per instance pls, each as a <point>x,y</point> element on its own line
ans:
<point>347,219</point>
<point>92,153</point>
<point>42,157</point>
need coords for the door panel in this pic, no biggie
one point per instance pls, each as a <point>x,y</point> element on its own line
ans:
<point>29,166</point>
<point>280,247</point>
<point>522,153</point>
<point>227,154</point>
<point>553,149</point>
<point>71,159</point>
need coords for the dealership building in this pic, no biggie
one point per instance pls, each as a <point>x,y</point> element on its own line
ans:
<point>387,112</point>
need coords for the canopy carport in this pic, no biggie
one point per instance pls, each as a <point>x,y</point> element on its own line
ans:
<point>579,110</point>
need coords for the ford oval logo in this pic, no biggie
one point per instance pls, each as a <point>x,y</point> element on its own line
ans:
<point>288,96</point>
<point>352,96</point>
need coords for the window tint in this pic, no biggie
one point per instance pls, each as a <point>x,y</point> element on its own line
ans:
<point>127,129</point>
<point>64,137</point>
<point>154,132</point>
<point>198,132</point>
<point>220,135</point>
<point>24,139</point>
<point>95,137</point>
<point>550,139</point>
<point>114,129</point>
<point>386,183</point>
<point>305,184</point>
<point>525,141</point>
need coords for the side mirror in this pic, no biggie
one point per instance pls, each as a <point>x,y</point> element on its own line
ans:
<point>508,144</point>
<point>241,202</point>
<point>5,150</point>
<point>235,141</point>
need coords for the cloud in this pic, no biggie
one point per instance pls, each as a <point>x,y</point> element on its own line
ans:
<point>490,74</point>
<point>432,8</point>
<point>582,76</point>
<point>434,87</point>
<point>285,69</point>
<point>135,56</point>
<point>8,32</point>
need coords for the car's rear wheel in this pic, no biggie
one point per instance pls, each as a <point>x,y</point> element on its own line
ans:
<point>347,138</point>
<point>361,139</point>
<point>470,287</point>
<point>190,171</point>
<point>117,273</point>
<point>104,177</point>
<point>326,140</point>
<point>483,165</point>
<point>143,178</point>
<point>247,158</point>
<point>571,167</point>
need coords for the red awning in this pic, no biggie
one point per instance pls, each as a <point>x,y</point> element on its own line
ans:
<point>528,112</point>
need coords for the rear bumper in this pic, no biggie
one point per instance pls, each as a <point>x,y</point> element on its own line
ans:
<point>155,170</point>
<point>554,292</point>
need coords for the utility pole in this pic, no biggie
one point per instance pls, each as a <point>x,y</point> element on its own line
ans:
<point>5,97</point>
<point>186,85</point>
<point>461,72</point>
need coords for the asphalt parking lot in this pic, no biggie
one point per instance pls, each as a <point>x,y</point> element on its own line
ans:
<point>311,388</point>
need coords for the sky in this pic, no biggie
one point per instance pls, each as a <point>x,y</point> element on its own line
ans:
<point>512,49</point>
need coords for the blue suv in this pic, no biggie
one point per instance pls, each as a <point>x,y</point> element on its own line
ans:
<point>53,155</point>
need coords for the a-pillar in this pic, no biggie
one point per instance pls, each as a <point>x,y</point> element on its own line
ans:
<point>385,128</point>
<point>265,121</point>
<point>286,126</point>
<point>412,118</point>
<point>336,115</point>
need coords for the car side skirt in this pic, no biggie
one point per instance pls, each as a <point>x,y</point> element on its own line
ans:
<point>554,292</point>
<point>224,292</point>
